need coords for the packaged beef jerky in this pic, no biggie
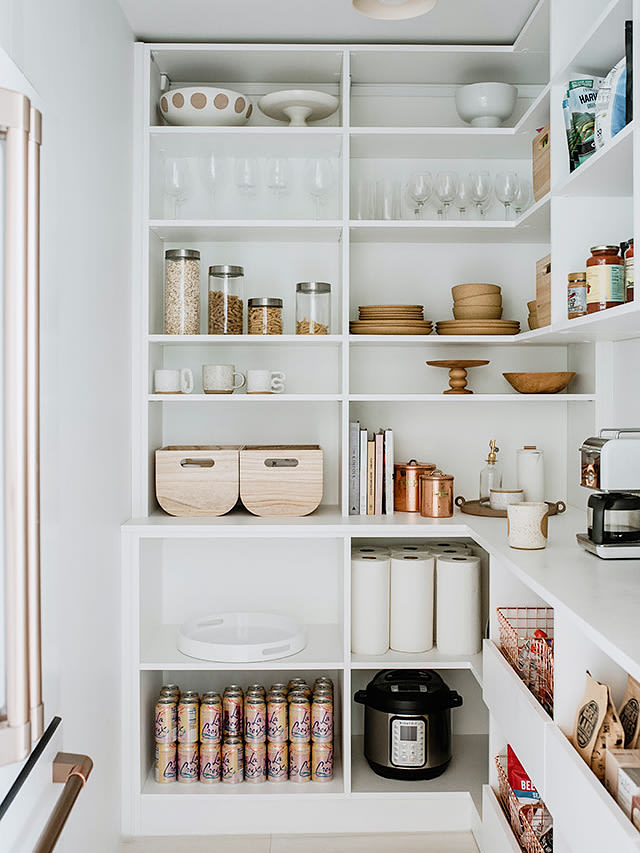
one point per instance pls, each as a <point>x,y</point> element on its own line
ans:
<point>597,727</point>
<point>630,714</point>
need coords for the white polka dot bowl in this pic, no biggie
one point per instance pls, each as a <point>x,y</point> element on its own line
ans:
<point>208,106</point>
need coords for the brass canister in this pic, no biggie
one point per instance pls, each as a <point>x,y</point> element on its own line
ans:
<point>436,494</point>
<point>406,484</point>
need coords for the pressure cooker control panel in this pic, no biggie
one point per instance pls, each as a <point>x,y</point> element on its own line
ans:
<point>408,742</point>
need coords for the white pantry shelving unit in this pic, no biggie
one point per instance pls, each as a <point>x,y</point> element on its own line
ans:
<point>391,121</point>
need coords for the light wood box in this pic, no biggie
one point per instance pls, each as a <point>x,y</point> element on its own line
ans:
<point>543,291</point>
<point>281,480</point>
<point>197,480</point>
<point>541,163</point>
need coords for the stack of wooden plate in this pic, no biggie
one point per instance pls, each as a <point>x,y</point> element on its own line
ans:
<point>478,327</point>
<point>391,320</point>
<point>477,309</point>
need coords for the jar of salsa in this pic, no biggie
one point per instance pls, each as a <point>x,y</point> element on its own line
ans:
<point>605,278</point>
<point>628,272</point>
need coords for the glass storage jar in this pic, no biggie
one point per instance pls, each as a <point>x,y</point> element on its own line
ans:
<point>576,295</point>
<point>226,300</point>
<point>264,316</point>
<point>605,278</point>
<point>313,308</point>
<point>182,292</point>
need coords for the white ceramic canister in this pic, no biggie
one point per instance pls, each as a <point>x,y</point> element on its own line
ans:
<point>530,472</point>
<point>527,525</point>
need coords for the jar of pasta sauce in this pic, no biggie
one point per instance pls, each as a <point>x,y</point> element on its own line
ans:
<point>628,272</point>
<point>605,278</point>
<point>577,295</point>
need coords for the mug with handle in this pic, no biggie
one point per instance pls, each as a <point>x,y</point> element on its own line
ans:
<point>221,379</point>
<point>265,381</point>
<point>167,381</point>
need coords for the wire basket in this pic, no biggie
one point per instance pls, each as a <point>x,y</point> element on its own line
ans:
<point>527,822</point>
<point>530,656</point>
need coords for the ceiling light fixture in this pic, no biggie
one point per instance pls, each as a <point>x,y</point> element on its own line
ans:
<point>393,10</point>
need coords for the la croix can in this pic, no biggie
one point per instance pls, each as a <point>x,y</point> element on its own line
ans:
<point>255,761</point>
<point>322,719</point>
<point>232,761</point>
<point>166,720</point>
<point>278,761</point>
<point>300,762</point>
<point>255,718</point>
<point>321,762</point>
<point>257,688</point>
<point>165,765</point>
<point>299,718</point>
<point>211,719</point>
<point>210,763</point>
<point>188,717</point>
<point>277,718</point>
<point>188,762</point>
<point>170,690</point>
<point>232,713</point>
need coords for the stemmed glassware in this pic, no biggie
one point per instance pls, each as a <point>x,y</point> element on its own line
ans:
<point>463,197</point>
<point>210,171</point>
<point>419,189</point>
<point>506,188</point>
<point>277,176</point>
<point>522,197</point>
<point>446,189</point>
<point>176,181</point>
<point>480,190</point>
<point>246,175</point>
<point>319,180</point>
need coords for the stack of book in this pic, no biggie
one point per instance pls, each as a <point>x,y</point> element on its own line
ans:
<point>370,471</point>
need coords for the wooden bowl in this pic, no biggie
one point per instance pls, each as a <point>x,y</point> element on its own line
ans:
<point>539,383</point>
<point>477,312</point>
<point>461,291</point>
<point>493,299</point>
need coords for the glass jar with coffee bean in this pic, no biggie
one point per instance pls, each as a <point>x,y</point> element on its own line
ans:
<point>265,316</point>
<point>226,300</point>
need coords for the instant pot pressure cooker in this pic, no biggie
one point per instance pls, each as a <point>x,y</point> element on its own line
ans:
<point>407,723</point>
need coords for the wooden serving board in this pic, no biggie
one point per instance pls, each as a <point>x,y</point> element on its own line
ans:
<point>483,508</point>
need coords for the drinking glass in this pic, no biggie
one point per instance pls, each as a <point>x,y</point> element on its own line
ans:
<point>246,175</point>
<point>480,190</point>
<point>446,189</point>
<point>363,195</point>
<point>522,197</point>
<point>210,171</point>
<point>506,188</point>
<point>388,199</point>
<point>419,189</point>
<point>463,197</point>
<point>277,175</point>
<point>177,181</point>
<point>319,180</point>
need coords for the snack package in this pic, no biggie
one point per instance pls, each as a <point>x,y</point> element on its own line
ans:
<point>597,727</point>
<point>566,113</point>
<point>630,714</point>
<point>610,105</point>
<point>527,796</point>
<point>582,94</point>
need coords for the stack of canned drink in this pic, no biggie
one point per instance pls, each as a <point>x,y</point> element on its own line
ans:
<point>286,733</point>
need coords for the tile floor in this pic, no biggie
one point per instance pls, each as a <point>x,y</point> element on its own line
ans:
<point>426,842</point>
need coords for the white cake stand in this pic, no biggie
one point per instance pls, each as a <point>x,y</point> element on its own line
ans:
<point>298,106</point>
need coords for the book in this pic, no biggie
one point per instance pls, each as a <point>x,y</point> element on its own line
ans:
<point>371,476</point>
<point>354,468</point>
<point>363,471</point>
<point>379,472</point>
<point>388,471</point>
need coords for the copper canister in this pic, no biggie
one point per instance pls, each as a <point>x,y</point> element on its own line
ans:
<point>436,495</point>
<point>406,484</point>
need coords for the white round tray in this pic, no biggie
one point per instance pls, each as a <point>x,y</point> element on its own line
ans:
<point>241,637</point>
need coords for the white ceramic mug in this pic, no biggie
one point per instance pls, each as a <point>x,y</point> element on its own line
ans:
<point>221,378</point>
<point>265,381</point>
<point>173,381</point>
<point>527,525</point>
<point>501,498</point>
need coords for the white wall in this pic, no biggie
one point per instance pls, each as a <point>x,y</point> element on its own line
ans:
<point>79,57</point>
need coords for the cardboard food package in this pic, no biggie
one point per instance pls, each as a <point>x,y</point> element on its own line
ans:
<point>597,727</point>
<point>630,713</point>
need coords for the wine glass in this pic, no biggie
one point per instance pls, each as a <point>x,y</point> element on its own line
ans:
<point>277,176</point>
<point>246,175</point>
<point>210,171</point>
<point>480,190</point>
<point>522,197</point>
<point>419,189</point>
<point>506,188</point>
<point>177,181</point>
<point>463,197</point>
<point>446,189</point>
<point>319,180</point>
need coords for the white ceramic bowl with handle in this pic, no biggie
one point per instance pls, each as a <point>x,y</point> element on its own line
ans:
<point>486,104</point>
<point>205,106</point>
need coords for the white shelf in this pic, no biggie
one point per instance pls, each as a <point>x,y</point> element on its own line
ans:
<point>247,340</point>
<point>466,774</point>
<point>603,45</point>
<point>607,173</point>
<point>614,324</point>
<point>497,834</point>
<point>228,399</point>
<point>247,230</point>
<point>471,398</point>
<point>248,141</point>
<point>432,659</point>
<point>324,651</point>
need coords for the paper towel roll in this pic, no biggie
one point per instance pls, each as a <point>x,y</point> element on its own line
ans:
<point>370,604</point>
<point>363,550</point>
<point>439,544</point>
<point>416,550</point>
<point>450,550</point>
<point>411,624</point>
<point>458,603</point>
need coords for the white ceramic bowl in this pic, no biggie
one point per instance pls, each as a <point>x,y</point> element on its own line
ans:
<point>486,104</point>
<point>502,498</point>
<point>207,106</point>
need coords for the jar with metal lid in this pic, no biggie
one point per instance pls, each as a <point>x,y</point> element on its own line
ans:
<point>182,292</point>
<point>406,484</point>
<point>226,300</point>
<point>436,495</point>
<point>313,308</point>
<point>605,278</point>
<point>628,272</point>
<point>264,316</point>
<point>576,294</point>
